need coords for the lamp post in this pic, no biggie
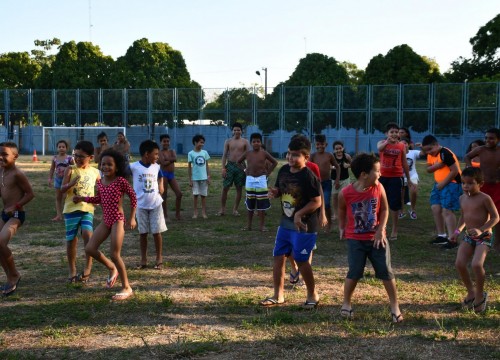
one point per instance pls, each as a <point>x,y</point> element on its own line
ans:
<point>265,79</point>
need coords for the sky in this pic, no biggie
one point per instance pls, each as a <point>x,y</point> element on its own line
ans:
<point>224,42</point>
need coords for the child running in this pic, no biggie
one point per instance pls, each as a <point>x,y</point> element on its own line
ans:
<point>110,190</point>
<point>363,214</point>
<point>199,175</point>
<point>56,174</point>
<point>478,216</point>
<point>256,182</point>
<point>16,192</point>
<point>344,161</point>
<point>167,159</point>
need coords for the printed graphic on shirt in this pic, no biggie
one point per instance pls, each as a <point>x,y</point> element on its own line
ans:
<point>288,203</point>
<point>410,163</point>
<point>199,160</point>
<point>365,215</point>
<point>147,181</point>
<point>84,186</point>
<point>390,157</point>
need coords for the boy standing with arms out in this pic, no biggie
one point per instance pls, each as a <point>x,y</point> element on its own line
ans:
<point>479,215</point>
<point>167,160</point>
<point>231,172</point>
<point>363,214</point>
<point>489,160</point>
<point>16,192</point>
<point>299,191</point>
<point>79,180</point>
<point>393,166</point>
<point>256,181</point>
<point>199,175</point>
<point>325,161</point>
<point>446,192</point>
<point>148,186</point>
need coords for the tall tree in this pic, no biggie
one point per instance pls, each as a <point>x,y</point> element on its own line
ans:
<point>18,71</point>
<point>318,70</point>
<point>487,40</point>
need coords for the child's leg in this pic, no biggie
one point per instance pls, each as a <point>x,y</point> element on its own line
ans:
<point>203,206</point>
<point>143,239</point>
<point>86,235</point>
<point>71,255</point>
<point>294,269</point>
<point>328,214</point>
<point>59,207</point>
<point>239,192</point>
<point>279,278</point>
<point>438,218</point>
<point>335,206</point>
<point>249,219</point>
<point>159,248</point>
<point>6,258</point>
<point>307,275</point>
<point>100,234</point>
<point>413,197</point>
<point>164,197</point>
<point>262,216</point>
<point>178,197</point>
<point>477,266</point>
<point>349,286</point>
<point>450,220</point>
<point>117,234</point>
<point>395,218</point>
<point>465,252</point>
<point>195,206</point>
<point>390,288</point>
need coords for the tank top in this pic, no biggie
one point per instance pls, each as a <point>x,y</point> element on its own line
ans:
<point>390,160</point>
<point>60,166</point>
<point>344,172</point>
<point>84,187</point>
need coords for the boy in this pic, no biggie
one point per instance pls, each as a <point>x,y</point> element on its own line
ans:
<point>299,191</point>
<point>260,164</point>
<point>393,166</point>
<point>16,192</point>
<point>231,172</point>
<point>102,140</point>
<point>167,160</point>
<point>489,157</point>
<point>363,214</point>
<point>446,191</point>
<point>199,174</point>
<point>325,161</point>
<point>79,180</point>
<point>479,215</point>
<point>148,186</point>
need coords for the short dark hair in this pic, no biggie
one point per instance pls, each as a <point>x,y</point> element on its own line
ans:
<point>86,146</point>
<point>474,173</point>
<point>121,167</point>
<point>11,145</point>
<point>320,138</point>
<point>391,125</point>
<point>338,142</point>
<point>64,142</point>
<point>101,135</point>
<point>197,138</point>
<point>429,140</point>
<point>479,142</point>
<point>407,131</point>
<point>299,144</point>
<point>363,162</point>
<point>164,136</point>
<point>238,125</point>
<point>147,146</point>
<point>494,131</point>
<point>256,136</point>
<point>303,138</point>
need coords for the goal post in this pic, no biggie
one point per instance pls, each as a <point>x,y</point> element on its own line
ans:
<point>72,134</point>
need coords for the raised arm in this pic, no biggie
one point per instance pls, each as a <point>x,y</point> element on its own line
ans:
<point>471,155</point>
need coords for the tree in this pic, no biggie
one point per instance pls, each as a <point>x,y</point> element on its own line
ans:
<point>318,70</point>
<point>18,71</point>
<point>355,75</point>
<point>487,40</point>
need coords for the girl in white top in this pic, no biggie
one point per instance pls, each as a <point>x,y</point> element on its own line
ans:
<point>411,194</point>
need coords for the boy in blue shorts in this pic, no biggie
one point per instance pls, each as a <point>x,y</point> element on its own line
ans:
<point>363,214</point>
<point>79,180</point>
<point>299,190</point>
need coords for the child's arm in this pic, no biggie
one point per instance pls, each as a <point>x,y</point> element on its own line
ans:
<point>133,203</point>
<point>51,172</point>
<point>471,155</point>
<point>434,167</point>
<point>190,174</point>
<point>208,172</point>
<point>493,220</point>
<point>322,212</point>
<point>161,188</point>
<point>380,237</point>
<point>382,144</point>
<point>451,175</point>
<point>224,157</point>
<point>460,224</point>
<point>66,183</point>
<point>273,162</point>
<point>335,163</point>
<point>242,158</point>
<point>310,207</point>
<point>23,183</point>
<point>406,170</point>
<point>341,215</point>
<point>88,199</point>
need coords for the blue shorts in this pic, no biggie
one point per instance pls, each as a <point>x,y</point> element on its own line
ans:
<point>58,182</point>
<point>77,219</point>
<point>169,175</point>
<point>448,197</point>
<point>393,187</point>
<point>19,215</point>
<point>357,253</point>
<point>326,185</point>
<point>293,242</point>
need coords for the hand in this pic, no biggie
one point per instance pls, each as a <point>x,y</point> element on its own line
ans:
<point>440,185</point>
<point>341,234</point>
<point>74,181</point>
<point>224,172</point>
<point>190,183</point>
<point>272,193</point>
<point>323,220</point>
<point>132,223</point>
<point>337,185</point>
<point>379,240</point>
<point>453,238</point>
<point>77,199</point>
<point>474,232</point>
<point>50,182</point>
<point>297,220</point>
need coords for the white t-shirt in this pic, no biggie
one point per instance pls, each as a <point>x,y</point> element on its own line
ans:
<point>145,181</point>
<point>411,158</point>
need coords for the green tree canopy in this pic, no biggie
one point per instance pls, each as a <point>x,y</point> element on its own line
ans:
<point>18,71</point>
<point>318,70</point>
<point>487,40</point>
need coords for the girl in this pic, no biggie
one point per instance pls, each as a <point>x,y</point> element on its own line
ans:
<point>472,145</point>
<point>344,161</point>
<point>404,133</point>
<point>59,163</point>
<point>110,192</point>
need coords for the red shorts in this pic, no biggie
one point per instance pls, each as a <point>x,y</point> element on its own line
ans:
<point>493,190</point>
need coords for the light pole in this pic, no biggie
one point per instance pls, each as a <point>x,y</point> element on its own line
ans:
<point>265,79</point>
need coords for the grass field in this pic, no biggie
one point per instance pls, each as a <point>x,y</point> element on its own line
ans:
<point>204,303</point>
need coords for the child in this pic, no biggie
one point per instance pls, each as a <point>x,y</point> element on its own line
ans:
<point>199,174</point>
<point>148,185</point>
<point>256,181</point>
<point>56,174</point>
<point>79,180</point>
<point>299,191</point>
<point>404,133</point>
<point>231,172</point>
<point>446,191</point>
<point>110,190</point>
<point>167,159</point>
<point>16,192</point>
<point>102,140</point>
<point>393,166</point>
<point>363,214</point>
<point>325,161</point>
<point>489,162</point>
<point>475,162</point>
<point>344,161</point>
<point>410,194</point>
<point>479,215</point>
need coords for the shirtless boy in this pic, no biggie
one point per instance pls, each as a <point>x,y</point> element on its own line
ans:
<point>325,161</point>
<point>167,160</point>
<point>260,164</point>
<point>489,157</point>
<point>231,172</point>
<point>16,192</point>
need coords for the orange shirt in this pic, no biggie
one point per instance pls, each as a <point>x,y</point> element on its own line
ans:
<point>447,157</point>
<point>390,160</point>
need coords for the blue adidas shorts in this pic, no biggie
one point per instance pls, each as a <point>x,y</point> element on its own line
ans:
<point>298,244</point>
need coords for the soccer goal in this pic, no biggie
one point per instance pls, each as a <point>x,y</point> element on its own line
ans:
<point>72,134</point>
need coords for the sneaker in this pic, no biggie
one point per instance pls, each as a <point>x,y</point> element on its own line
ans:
<point>439,240</point>
<point>401,215</point>
<point>413,214</point>
<point>449,245</point>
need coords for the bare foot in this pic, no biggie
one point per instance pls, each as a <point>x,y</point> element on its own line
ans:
<point>57,218</point>
<point>204,216</point>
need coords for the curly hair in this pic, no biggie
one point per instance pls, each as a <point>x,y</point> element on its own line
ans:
<point>119,160</point>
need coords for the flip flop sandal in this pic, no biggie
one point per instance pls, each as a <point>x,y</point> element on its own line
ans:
<point>270,302</point>
<point>73,279</point>
<point>122,296</point>
<point>468,303</point>
<point>158,266</point>
<point>309,305</point>
<point>83,278</point>
<point>347,314</point>
<point>481,307</point>
<point>141,267</point>
<point>10,289</point>
<point>294,279</point>
<point>397,318</point>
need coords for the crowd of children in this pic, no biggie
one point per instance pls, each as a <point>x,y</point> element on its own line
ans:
<point>305,185</point>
